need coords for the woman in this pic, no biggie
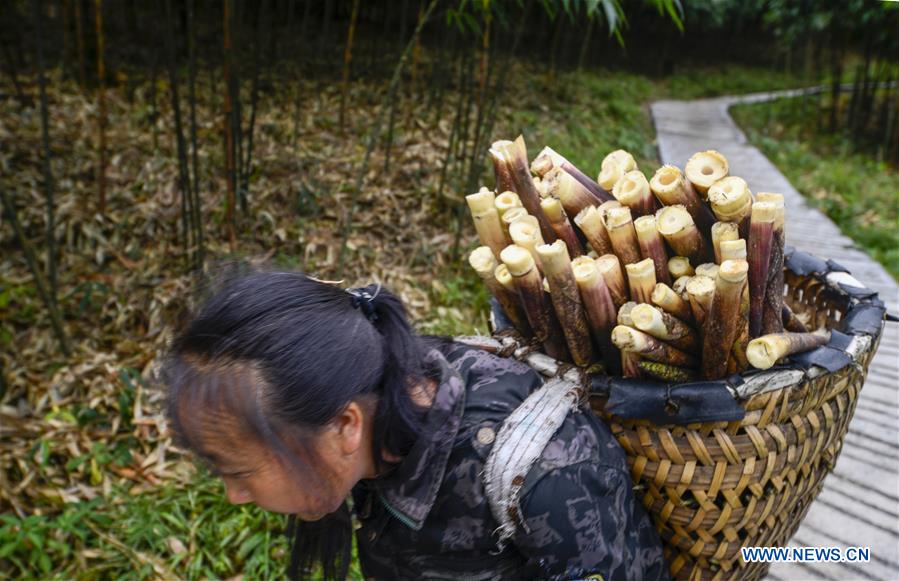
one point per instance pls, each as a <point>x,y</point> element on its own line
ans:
<point>301,395</point>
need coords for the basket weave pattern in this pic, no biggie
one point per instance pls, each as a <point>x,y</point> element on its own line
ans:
<point>716,486</point>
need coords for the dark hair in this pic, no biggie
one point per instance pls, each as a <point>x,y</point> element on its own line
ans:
<point>315,352</point>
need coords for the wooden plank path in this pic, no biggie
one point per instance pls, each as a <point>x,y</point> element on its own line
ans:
<point>859,504</point>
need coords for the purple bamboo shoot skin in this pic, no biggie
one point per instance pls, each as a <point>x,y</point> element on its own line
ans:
<point>672,189</point>
<point>721,323</point>
<point>652,247</point>
<point>641,279</point>
<point>501,170</point>
<point>559,221</point>
<point>669,301</point>
<point>589,220</point>
<point>486,220</point>
<point>610,269</point>
<point>676,226</point>
<point>485,264</point>
<point>536,307</point>
<point>709,269</point>
<point>704,169</point>
<point>601,311</point>
<point>701,290</point>
<point>510,216</point>
<point>613,166</point>
<point>620,227</point>
<point>630,364</point>
<point>665,327</point>
<point>679,266</point>
<point>548,159</point>
<point>772,321</point>
<point>761,232</point>
<point>574,196</point>
<point>737,363</point>
<point>665,372</point>
<point>731,201</point>
<point>722,231</point>
<point>566,299</point>
<point>733,249</point>
<point>515,156</point>
<point>766,350</point>
<point>791,322</point>
<point>525,232</point>
<point>648,347</point>
<point>632,190</point>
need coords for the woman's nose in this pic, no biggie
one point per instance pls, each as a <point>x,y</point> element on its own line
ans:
<point>237,494</point>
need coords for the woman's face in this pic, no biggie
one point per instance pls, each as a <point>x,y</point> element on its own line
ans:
<point>314,482</point>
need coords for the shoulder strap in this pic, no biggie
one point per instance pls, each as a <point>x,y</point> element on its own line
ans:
<point>519,444</point>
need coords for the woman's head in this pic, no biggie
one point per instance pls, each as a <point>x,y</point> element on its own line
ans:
<point>292,391</point>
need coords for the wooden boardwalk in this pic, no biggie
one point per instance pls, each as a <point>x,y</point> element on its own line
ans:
<point>859,505</point>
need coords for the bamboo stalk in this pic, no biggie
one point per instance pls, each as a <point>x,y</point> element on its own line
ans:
<point>677,227</point>
<point>709,269</point>
<point>566,299</point>
<point>562,227</point>
<point>633,191</point>
<point>704,169</point>
<point>731,201</point>
<point>774,291</point>
<point>506,201</point>
<point>486,220</point>
<point>485,264</point>
<point>652,247</point>
<point>668,300</point>
<point>761,232</point>
<point>701,291</point>
<point>733,249</point>
<point>601,311</point>
<point>671,188</point>
<point>574,196</point>
<point>665,372</point>
<point>763,352</point>
<point>610,268</point>
<point>589,220</point>
<point>641,279</point>
<point>515,156</point>
<point>679,266</point>
<point>622,235</point>
<point>613,166</point>
<point>791,322</point>
<point>549,159</point>
<point>720,326</point>
<point>538,311</point>
<point>628,339</point>
<point>722,231</point>
<point>665,327</point>
<point>501,170</point>
<point>525,232</point>
<point>510,216</point>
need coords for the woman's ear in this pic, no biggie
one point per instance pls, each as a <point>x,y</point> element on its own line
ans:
<point>349,426</point>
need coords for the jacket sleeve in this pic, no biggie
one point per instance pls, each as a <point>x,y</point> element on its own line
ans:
<point>582,522</point>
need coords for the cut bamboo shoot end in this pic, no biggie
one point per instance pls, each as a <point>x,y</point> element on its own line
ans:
<point>613,166</point>
<point>483,261</point>
<point>705,168</point>
<point>513,214</point>
<point>554,258</point>
<point>778,201</point>
<point>517,259</point>
<point>552,207</point>
<point>574,196</point>
<point>481,201</point>
<point>733,249</point>
<point>525,232</point>
<point>542,163</point>
<point>680,286</point>
<point>701,290</point>
<point>610,269</point>
<point>634,341</point>
<point>722,231</point>
<point>730,199</point>
<point>620,228</point>
<point>667,184</point>
<point>665,298</point>
<point>585,271</point>
<point>666,327</point>
<point>618,217</point>
<point>676,225</point>
<point>652,246</point>
<point>641,277</point>
<point>624,314</point>
<point>679,266</point>
<point>648,319</point>
<point>733,271</point>
<point>633,191</point>
<point>504,277</point>
<point>506,201</point>
<point>765,351</point>
<point>708,269</point>
<point>590,221</point>
<point>764,212</point>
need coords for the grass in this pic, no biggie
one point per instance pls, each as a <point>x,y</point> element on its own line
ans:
<point>730,80</point>
<point>858,192</point>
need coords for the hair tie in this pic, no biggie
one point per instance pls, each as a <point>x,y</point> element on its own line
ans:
<point>362,299</point>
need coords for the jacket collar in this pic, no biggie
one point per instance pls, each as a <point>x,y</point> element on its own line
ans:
<point>409,491</point>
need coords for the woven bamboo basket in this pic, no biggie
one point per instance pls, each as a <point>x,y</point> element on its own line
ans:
<point>713,487</point>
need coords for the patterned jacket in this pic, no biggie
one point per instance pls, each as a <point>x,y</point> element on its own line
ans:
<point>430,519</point>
